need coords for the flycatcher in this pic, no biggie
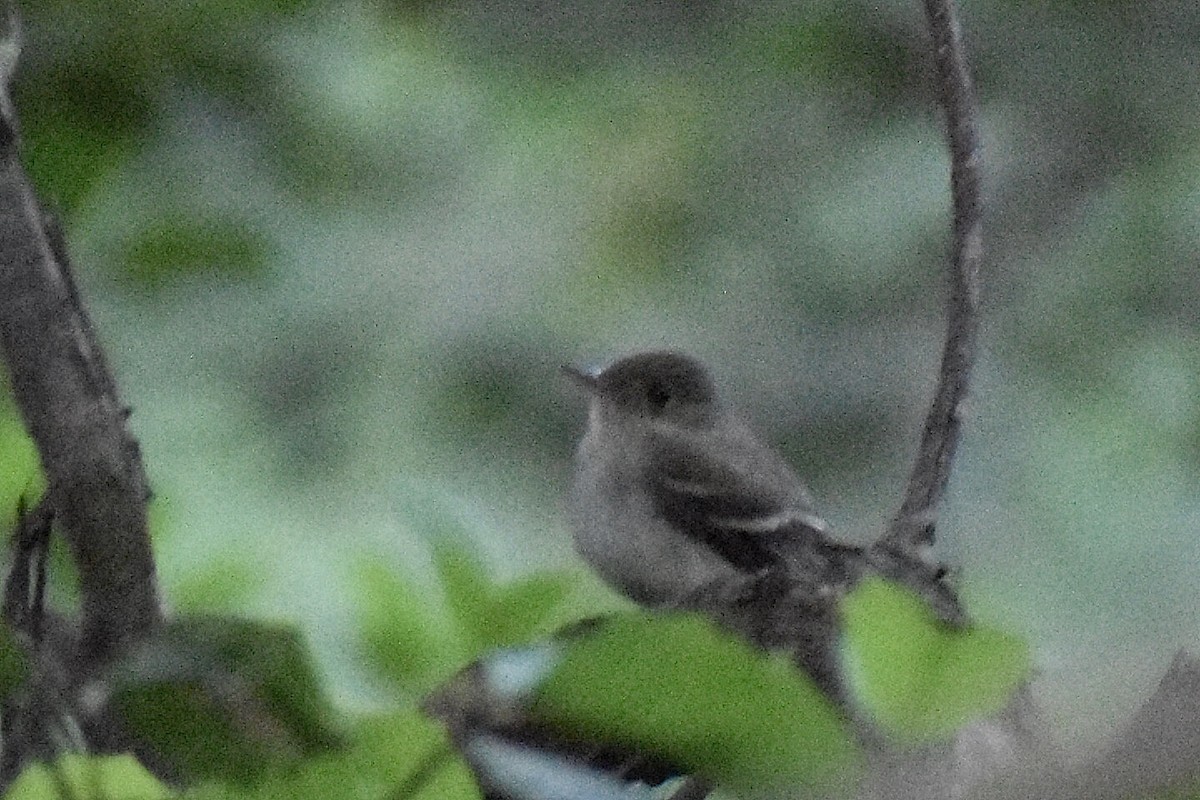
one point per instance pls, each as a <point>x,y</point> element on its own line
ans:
<point>673,491</point>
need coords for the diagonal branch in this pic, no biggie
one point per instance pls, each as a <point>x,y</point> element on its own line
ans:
<point>69,401</point>
<point>913,528</point>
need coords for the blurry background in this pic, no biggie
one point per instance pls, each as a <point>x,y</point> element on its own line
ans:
<point>338,250</point>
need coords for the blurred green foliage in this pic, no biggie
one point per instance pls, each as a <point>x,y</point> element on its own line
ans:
<point>917,679</point>
<point>223,698</point>
<point>679,688</point>
<point>80,776</point>
<point>20,470</point>
<point>417,643</point>
<point>14,661</point>
<point>337,251</point>
<point>176,248</point>
<point>386,752</point>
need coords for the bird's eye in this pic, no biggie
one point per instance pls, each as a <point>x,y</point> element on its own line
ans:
<point>657,395</point>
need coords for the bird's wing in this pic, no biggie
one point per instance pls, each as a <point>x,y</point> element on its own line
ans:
<point>751,520</point>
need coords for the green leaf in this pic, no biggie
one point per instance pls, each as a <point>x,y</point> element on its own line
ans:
<point>224,698</point>
<point>409,749</point>
<point>519,609</point>
<point>1188,791</point>
<point>468,588</point>
<point>677,687</point>
<point>222,584</point>
<point>83,776</point>
<point>917,677</point>
<point>404,749</point>
<point>404,635</point>
<point>20,468</point>
<point>414,642</point>
<point>176,246</point>
<point>14,663</point>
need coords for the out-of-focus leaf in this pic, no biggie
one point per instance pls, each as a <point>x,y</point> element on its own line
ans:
<point>176,247</point>
<point>918,678</point>
<point>224,698</point>
<point>84,776</point>
<point>68,153</point>
<point>518,609</point>
<point>467,587</point>
<point>14,665</point>
<point>404,635</point>
<point>64,574</point>
<point>400,747</point>
<point>404,749</point>
<point>407,636</point>
<point>20,469</point>
<point>222,585</point>
<point>678,688</point>
<point>493,615</point>
<point>1188,792</point>
<point>466,583</point>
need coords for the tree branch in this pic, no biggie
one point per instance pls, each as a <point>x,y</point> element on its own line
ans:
<point>913,528</point>
<point>69,401</point>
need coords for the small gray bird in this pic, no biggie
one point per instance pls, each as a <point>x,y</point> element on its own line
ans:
<point>673,492</point>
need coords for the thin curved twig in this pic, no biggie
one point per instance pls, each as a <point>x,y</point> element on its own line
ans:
<point>912,530</point>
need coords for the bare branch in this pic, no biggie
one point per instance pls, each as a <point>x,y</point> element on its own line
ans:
<point>913,528</point>
<point>69,401</point>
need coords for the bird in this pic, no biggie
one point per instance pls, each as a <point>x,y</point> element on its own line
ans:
<point>673,492</point>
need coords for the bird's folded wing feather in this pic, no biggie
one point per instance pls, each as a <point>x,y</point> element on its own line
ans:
<point>749,521</point>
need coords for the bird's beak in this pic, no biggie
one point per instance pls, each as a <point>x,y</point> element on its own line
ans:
<point>587,378</point>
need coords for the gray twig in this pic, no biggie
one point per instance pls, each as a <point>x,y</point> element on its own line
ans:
<point>69,401</point>
<point>913,528</point>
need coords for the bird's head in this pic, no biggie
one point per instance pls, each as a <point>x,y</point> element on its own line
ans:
<point>660,385</point>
